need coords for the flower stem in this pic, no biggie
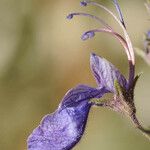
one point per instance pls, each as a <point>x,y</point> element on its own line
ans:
<point>131,74</point>
<point>138,125</point>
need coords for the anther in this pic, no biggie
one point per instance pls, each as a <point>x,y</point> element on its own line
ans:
<point>83,3</point>
<point>88,35</point>
<point>70,16</point>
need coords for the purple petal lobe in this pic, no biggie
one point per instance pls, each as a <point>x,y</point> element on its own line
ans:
<point>81,93</point>
<point>106,73</point>
<point>63,129</point>
<point>88,35</point>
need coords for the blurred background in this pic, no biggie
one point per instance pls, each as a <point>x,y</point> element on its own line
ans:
<point>42,56</point>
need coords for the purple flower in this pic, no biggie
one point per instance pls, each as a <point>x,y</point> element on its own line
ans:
<point>63,129</point>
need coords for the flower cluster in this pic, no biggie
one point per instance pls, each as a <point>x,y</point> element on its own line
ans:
<point>63,129</point>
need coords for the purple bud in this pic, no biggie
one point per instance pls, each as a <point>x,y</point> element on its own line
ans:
<point>88,35</point>
<point>70,16</point>
<point>83,3</point>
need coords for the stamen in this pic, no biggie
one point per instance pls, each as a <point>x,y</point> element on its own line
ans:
<point>70,16</point>
<point>91,33</point>
<point>88,35</point>
<point>119,12</point>
<point>83,3</point>
<point>101,21</point>
<point>130,51</point>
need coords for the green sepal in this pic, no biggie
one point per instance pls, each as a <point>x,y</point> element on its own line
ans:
<point>135,81</point>
<point>119,89</point>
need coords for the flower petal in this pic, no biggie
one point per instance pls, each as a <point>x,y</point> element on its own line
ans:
<point>106,73</point>
<point>81,93</point>
<point>63,129</point>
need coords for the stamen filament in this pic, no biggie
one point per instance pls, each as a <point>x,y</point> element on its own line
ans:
<point>101,21</point>
<point>119,12</point>
<point>111,13</point>
<point>118,36</point>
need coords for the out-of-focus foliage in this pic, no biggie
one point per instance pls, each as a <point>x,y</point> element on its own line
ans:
<point>42,56</point>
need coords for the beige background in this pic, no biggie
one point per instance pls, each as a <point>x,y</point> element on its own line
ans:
<point>42,56</point>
